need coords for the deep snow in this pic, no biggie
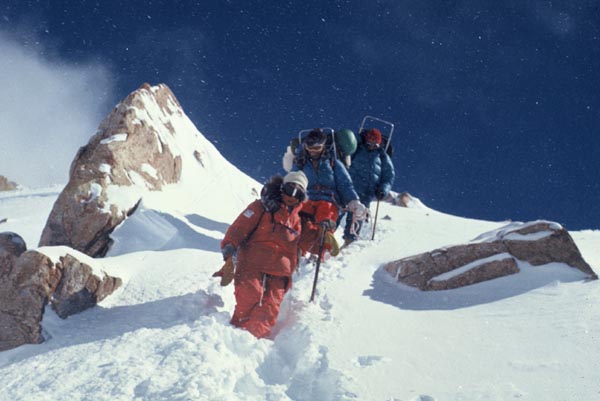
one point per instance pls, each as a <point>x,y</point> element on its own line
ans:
<point>165,334</point>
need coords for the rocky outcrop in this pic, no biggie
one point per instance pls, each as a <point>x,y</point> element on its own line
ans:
<point>6,185</point>
<point>403,199</point>
<point>12,245</point>
<point>131,153</point>
<point>491,255</point>
<point>34,279</point>
<point>79,288</point>
<point>24,294</point>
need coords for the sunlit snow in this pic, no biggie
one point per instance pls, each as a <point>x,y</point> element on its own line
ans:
<point>165,334</point>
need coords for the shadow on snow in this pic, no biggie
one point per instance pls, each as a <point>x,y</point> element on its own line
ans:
<point>206,223</point>
<point>385,289</point>
<point>100,323</point>
<point>151,230</point>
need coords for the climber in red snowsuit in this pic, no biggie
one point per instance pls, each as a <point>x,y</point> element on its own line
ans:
<point>264,239</point>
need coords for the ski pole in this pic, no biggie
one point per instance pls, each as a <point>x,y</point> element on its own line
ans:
<point>375,220</point>
<point>321,248</point>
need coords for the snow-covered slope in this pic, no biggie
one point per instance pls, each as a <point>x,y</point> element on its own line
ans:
<point>165,334</point>
<point>210,193</point>
<point>210,185</point>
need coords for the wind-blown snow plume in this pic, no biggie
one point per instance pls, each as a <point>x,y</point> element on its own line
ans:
<point>54,105</point>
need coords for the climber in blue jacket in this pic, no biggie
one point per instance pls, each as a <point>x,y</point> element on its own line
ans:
<point>372,174</point>
<point>329,190</point>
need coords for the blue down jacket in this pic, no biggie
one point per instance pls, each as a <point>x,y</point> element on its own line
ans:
<point>370,170</point>
<point>327,182</point>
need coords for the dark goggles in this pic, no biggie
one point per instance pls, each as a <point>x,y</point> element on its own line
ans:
<point>316,147</point>
<point>291,189</point>
<point>372,145</point>
<point>311,142</point>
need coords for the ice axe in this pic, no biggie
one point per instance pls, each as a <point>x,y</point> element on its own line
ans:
<point>375,220</point>
<point>321,248</point>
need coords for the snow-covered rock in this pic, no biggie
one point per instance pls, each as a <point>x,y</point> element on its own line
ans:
<point>146,145</point>
<point>6,185</point>
<point>165,334</point>
<point>404,199</point>
<point>24,293</point>
<point>12,246</point>
<point>491,255</point>
<point>69,280</point>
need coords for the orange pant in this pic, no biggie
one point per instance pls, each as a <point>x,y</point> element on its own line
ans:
<point>257,307</point>
<point>321,210</point>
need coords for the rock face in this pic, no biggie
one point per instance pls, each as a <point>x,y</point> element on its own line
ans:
<point>403,199</point>
<point>6,185</point>
<point>491,255</point>
<point>23,295</point>
<point>79,288</point>
<point>32,280</point>
<point>130,150</point>
<point>12,246</point>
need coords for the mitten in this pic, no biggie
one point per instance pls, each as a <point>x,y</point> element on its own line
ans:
<point>358,210</point>
<point>379,194</point>
<point>226,272</point>
<point>333,246</point>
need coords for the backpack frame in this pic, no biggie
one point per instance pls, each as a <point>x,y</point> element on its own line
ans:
<point>330,151</point>
<point>386,138</point>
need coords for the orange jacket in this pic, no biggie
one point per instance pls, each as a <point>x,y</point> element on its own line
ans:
<point>266,242</point>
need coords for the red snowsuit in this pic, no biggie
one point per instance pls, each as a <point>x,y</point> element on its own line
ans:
<point>319,210</point>
<point>267,255</point>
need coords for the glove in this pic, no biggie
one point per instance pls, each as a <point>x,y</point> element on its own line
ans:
<point>228,251</point>
<point>226,272</point>
<point>328,225</point>
<point>379,194</point>
<point>333,246</point>
<point>358,210</point>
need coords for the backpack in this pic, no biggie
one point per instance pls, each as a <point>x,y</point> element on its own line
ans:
<point>345,145</point>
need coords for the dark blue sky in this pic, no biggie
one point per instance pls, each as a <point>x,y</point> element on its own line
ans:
<point>496,104</point>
